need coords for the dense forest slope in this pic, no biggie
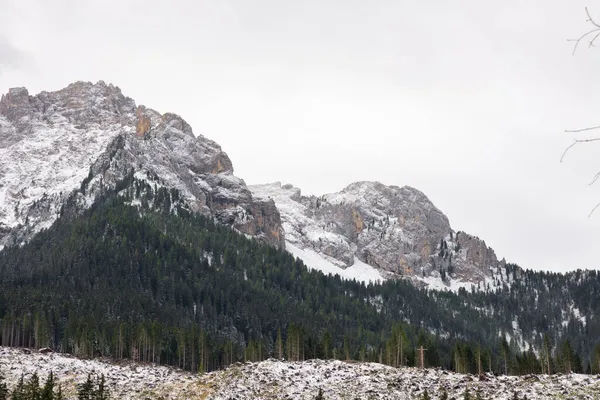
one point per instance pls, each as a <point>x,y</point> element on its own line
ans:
<point>138,275</point>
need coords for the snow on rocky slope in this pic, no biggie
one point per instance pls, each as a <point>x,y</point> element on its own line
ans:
<point>87,137</point>
<point>274,379</point>
<point>396,231</point>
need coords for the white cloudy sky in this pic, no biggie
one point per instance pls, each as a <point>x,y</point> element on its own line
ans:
<point>463,100</point>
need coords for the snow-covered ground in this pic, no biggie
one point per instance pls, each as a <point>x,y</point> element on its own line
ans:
<point>125,380</point>
<point>342,380</point>
<point>273,379</point>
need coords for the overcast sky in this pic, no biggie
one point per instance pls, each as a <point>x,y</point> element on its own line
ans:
<point>463,100</point>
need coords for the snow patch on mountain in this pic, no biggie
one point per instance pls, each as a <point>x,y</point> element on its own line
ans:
<point>396,231</point>
<point>358,271</point>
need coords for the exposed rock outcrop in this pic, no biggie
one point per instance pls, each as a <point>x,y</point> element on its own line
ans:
<point>396,230</point>
<point>88,137</point>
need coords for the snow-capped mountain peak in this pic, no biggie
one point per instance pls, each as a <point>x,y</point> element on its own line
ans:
<point>397,231</point>
<point>76,142</point>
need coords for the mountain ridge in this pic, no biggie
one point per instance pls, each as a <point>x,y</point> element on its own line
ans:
<point>396,230</point>
<point>86,137</point>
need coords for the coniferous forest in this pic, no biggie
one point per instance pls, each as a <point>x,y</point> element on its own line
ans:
<point>138,276</point>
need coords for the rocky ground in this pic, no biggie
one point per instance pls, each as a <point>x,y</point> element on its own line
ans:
<point>274,379</point>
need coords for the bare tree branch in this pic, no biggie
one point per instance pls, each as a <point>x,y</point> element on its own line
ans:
<point>577,141</point>
<point>582,130</point>
<point>590,19</point>
<point>594,31</point>
<point>594,209</point>
<point>595,34</point>
<point>596,177</point>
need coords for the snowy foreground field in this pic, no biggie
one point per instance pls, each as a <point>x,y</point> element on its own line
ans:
<point>283,380</point>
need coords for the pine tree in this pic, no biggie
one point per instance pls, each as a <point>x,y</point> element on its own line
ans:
<point>478,394</point>
<point>3,388</point>
<point>59,393</point>
<point>425,395</point>
<point>399,340</point>
<point>48,390</point>
<point>595,364</point>
<point>19,392</point>
<point>467,394</point>
<point>320,395</point>
<point>505,354</point>
<point>32,388</point>
<point>327,345</point>
<point>567,356</point>
<point>547,353</point>
<point>101,393</point>
<point>85,390</point>
<point>279,344</point>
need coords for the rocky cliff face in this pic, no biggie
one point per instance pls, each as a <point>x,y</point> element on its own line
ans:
<point>66,147</point>
<point>71,144</point>
<point>396,230</point>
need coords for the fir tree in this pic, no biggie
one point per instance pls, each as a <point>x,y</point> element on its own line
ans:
<point>3,388</point>
<point>85,390</point>
<point>320,395</point>
<point>59,393</point>
<point>101,393</point>
<point>467,394</point>
<point>48,389</point>
<point>19,392</point>
<point>32,388</point>
<point>478,394</point>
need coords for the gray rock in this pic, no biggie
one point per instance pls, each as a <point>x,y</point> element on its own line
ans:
<point>395,229</point>
<point>88,137</point>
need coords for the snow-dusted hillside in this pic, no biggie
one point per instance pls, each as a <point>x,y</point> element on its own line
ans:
<point>88,137</point>
<point>274,379</point>
<point>370,231</point>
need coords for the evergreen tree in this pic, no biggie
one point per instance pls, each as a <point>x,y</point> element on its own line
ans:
<point>320,395</point>
<point>467,394</point>
<point>548,354</point>
<point>279,344</point>
<point>85,390</point>
<point>567,357</point>
<point>327,345</point>
<point>101,393</point>
<point>595,363</point>
<point>425,395</point>
<point>48,389</point>
<point>19,392</point>
<point>32,388</point>
<point>59,393</point>
<point>505,354</point>
<point>444,394</point>
<point>478,394</point>
<point>3,388</point>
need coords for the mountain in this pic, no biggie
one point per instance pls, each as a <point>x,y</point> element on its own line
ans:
<point>397,231</point>
<point>115,223</point>
<point>60,150</point>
